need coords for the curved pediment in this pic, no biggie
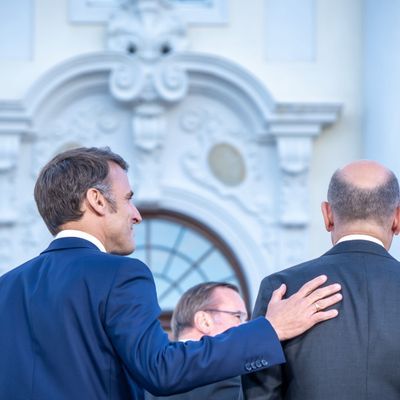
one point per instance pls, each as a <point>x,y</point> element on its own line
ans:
<point>204,137</point>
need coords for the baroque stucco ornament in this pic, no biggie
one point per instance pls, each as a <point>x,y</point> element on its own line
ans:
<point>165,111</point>
<point>148,29</point>
<point>150,33</point>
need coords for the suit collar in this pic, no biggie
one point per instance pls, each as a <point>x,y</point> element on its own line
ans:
<point>70,243</point>
<point>83,235</point>
<point>358,246</point>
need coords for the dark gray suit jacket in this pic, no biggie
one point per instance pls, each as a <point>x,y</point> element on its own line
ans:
<point>355,356</point>
<point>229,389</point>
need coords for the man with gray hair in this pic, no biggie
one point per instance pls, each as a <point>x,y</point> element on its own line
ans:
<point>208,309</point>
<point>356,355</point>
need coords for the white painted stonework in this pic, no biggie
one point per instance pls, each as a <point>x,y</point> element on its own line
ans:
<point>202,135</point>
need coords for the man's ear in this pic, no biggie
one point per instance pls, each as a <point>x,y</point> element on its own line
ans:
<point>327,215</point>
<point>396,221</point>
<point>203,322</point>
<point>95,201</point>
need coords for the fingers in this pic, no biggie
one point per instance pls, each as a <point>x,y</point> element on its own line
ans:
<point>321,293</point>
<point>326,302</point>
<point>310,286</point>
<point>278,294</point>
<point>323,316</point>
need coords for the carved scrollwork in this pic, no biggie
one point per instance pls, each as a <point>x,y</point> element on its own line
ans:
<point>171,81</point>
<point>191,121</point>
<point>127,81</point>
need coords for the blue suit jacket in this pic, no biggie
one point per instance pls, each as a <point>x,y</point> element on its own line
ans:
<point>228,389</point>
<point>76,323</point>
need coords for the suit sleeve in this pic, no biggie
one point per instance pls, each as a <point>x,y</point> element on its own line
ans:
<point>163,367</point>
<point>264,384</point>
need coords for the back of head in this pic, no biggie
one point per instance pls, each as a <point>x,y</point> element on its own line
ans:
<point>364,191</point>
<point>63,182</point>
<point>197,298</point>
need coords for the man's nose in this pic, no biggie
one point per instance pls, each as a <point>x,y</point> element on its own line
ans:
<point>136,215</point>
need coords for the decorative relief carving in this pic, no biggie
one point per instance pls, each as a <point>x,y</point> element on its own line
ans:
<point>9,153</point>
<point>148,90</point>
<point>147,29</point>
<point>191,121</point>
<point>294,239</point>
<point>127,81</point>
<point>83,123</point>
<point>171,81</point>
<point>294,158</point>
<point>134,82</point>
<point>149,131</point>
<point>294,199</point>
<point>149,128</point>
<point>194,12</point>
<point>222,160</point>
<point>5,249</point>
<point>33,229</point>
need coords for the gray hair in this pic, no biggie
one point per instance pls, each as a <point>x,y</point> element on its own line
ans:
<point>351,203</point>
<point>197,298</point>
<point>63,182</point>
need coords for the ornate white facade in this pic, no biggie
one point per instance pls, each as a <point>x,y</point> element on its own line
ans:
<point>203,137</point>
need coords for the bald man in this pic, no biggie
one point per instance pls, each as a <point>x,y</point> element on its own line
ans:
<point>355,356</point>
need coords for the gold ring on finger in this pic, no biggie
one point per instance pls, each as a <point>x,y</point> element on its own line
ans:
<point>317,307</point>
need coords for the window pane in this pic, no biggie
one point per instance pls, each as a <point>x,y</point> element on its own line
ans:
<point>180,256</point>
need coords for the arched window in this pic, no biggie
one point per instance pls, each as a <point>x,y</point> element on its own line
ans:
<point>181,252</point>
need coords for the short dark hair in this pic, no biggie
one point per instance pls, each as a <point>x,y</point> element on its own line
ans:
<point>63,182</point>
<point>351,203</point>
<point>197,298</point>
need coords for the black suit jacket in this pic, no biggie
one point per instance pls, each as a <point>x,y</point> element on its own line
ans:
<point>229,389</point>
<point>352,357</point>
<point>76,323</point>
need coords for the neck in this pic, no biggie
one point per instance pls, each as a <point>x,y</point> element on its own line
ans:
<point>385,236</point>
<point>190,334</point>
<point>84,226</point>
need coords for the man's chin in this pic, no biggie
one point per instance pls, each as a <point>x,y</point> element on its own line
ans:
<point>125,251</point>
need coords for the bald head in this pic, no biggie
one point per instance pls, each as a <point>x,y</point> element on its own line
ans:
<point>365,174</point>
<point>363,190</point>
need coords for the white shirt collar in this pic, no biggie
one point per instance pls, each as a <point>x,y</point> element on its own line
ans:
<point>360,237</point>
<point>82,235</point>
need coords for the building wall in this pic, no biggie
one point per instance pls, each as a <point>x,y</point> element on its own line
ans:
<point>326,66</point>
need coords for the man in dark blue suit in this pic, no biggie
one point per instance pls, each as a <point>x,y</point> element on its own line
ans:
<point>355,356</point>
<point>81,322</point>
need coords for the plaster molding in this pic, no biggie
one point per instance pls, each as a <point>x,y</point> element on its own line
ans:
<point>6,246</point>
<point>245,116</point>
<point>149,135</point>
<point>209,132</point>
<point>10,143</point>
<point>197,12</point>
<point>131,81</point>
<point>147,29</point>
